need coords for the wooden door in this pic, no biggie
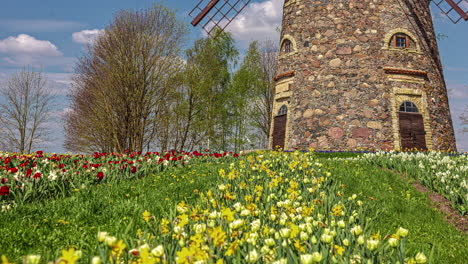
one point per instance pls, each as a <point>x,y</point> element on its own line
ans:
<point>412,131</point>
<point>279,131</point>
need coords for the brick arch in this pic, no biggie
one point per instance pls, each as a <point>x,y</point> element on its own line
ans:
<point>392,32</point>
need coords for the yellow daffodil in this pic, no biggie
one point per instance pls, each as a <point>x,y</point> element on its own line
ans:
<point>5,260</point>
<point>147,216</point>
<point>218,235</point>
<point>118,248</point>
<point>232,249</point>
<point>69,256</point>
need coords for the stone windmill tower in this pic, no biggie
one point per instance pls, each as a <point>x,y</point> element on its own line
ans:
<point>357,74</point>
<point>360,73</point>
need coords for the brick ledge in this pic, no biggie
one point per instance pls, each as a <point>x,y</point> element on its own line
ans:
<point>284,75</point>
<point>405,72</point>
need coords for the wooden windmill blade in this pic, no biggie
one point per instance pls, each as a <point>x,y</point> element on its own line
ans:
<point>455,10</point>
<point>216,14</point>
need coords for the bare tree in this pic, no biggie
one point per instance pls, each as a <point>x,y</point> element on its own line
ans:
<point>263,105</point>
<point>122,82</point>
<point>464,120</point>
<point>24,110</point>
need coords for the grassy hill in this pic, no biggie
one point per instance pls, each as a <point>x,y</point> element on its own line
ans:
<point>263,207</point>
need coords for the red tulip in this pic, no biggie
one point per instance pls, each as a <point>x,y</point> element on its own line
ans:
<point>134,169</point>
<point>37,175</point>
<point>4,180</point>
<point>100,175</point>
<point>4,190</point>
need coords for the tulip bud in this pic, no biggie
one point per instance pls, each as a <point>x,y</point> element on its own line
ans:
<point>110,241</point>
<point>402,232</point>
<point>255,225</point>
<point>211,223</point>
<point>325,238</point>
<point>102,236</point>
<point>285,232</point>
<point>252,256</point>
<point>158,251</point>
<point>393,242</point>
<point>265,250</point>
<point>360,240</point>
<point>270,242</point>
<point>96,260</point>
<point>420,258</point>
<point>346,242</point>
<point>182,243</point>
<point>372,244</point>
<point>33,259</point>
<point>200,228</point>
<point>341,224</point>
<point>316,257</point>
<point>314,240</point>
<point>356,230</point>
<point>306,259</point>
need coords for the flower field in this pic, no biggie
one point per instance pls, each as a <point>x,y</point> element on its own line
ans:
<point>27,178</point>
<point>266,207</point>
<point>444,174</point>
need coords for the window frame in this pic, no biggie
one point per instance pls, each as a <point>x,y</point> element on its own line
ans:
<point>287,45</point>
<point>408,107</point>
<point>283,110</point>
<point>402,36</point>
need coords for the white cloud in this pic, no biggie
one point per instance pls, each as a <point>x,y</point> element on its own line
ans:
<point>258,21</point>
<point>25,50</point>
<point>25,44</point>
<point>86,36</point>
<point>457,91</point>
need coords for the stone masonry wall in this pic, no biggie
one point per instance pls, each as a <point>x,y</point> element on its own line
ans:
<point>342,97</point>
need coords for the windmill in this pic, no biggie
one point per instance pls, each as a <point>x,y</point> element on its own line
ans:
<point>220,13</point>
<point>355,74</point>
<point>216,14</point>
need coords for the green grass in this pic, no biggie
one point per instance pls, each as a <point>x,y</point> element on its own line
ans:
<point>35,228</point>
<point>396,203</point>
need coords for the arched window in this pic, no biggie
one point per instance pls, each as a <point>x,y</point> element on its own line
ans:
<point>402,41</point>
<point>283,110</point>
<point>408,107</point>
<point>287,46</point>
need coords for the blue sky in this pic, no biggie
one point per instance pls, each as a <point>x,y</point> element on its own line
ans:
<point>54,32</point>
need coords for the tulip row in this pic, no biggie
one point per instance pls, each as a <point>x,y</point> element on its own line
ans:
<point>267,208</point>
<point>442,173</point>
<point>26,178</point>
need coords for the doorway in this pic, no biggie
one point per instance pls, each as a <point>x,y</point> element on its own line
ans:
<point>412,133</point>
<point>279,127</point>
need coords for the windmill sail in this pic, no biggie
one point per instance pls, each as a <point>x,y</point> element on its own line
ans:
<point>455,10</point>
<point>216,14</point>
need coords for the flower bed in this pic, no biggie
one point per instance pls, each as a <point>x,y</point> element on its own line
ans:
<point>26,178</point>
<point>268,208</point>
<point>442,173</point>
